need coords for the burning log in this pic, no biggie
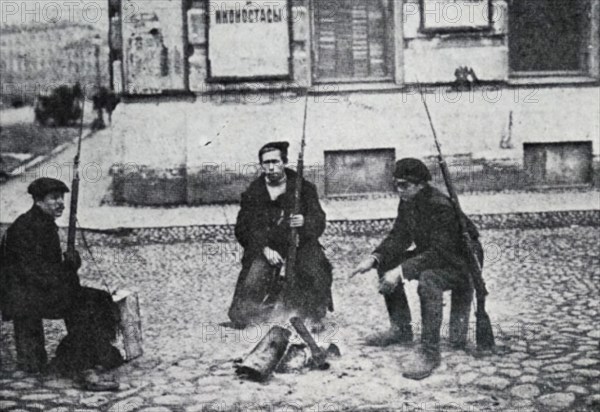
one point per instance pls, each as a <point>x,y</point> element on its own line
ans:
<point>264,358</point>
<point>272,353</point>
<point>318,354</point>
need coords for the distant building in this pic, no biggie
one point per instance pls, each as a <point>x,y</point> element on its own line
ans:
<point>502,76</point>
<point>37,58</point>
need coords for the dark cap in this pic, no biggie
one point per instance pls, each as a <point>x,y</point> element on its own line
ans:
<point>412,170</point>
<point>281,146</point>
<point>44,185</point>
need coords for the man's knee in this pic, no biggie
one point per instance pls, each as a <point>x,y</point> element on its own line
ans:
<point>428,283</point>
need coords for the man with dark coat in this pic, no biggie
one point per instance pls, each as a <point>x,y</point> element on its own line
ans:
<point>263,229</point>
<point>39,282</point>
<point>439,262</point>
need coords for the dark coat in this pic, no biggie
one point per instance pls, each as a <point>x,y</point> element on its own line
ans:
<point>35,281</point>
<point>429,220</point>
<point>262,222</point>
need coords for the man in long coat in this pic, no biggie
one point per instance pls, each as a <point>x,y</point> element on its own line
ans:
<point>38,282</point>
<point>263,229</point>
<point>439,262</point>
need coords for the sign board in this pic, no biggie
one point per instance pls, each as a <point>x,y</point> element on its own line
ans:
<point>249,39</point>
<point>448,15</point>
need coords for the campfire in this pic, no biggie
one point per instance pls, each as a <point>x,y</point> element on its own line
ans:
<point>274,353</point>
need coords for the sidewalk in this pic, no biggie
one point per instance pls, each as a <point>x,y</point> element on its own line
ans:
<point>95,182</point>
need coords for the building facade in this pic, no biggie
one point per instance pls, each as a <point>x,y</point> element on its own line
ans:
<point>501,77</point>
<point>37,58</point>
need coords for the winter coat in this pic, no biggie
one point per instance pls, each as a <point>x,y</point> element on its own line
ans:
<point>430,222</point>
<point>35,281</point>
<point>263,222</point>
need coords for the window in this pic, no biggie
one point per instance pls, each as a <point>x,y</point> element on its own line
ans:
<point>350,172</point>
<point>549,36</point>
<point>352,40</point>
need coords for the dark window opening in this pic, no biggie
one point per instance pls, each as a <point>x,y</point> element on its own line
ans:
<point>549,36</point>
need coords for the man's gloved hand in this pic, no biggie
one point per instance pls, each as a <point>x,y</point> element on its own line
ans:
<point>72,260</point>
<point>390,280</point>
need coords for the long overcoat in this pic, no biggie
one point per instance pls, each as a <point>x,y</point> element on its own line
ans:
<point>263,222</point>
<point>35,281</point>
<point>430,222</point>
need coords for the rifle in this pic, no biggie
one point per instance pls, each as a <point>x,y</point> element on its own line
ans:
<point>290,262</point>
<point>484,333</point>
<point>72,231</point>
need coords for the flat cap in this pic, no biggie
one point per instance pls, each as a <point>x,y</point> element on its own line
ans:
<point>412,170</point>
<point>281,146</point>
<point>44,185</point>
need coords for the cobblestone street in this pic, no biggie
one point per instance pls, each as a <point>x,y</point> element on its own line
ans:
<point>543,302</point>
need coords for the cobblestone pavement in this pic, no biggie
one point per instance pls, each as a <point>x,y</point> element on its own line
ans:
<point>543,303</point>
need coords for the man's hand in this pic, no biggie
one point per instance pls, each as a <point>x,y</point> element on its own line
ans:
<point>72,260</point>
<point>272,256</point>
<point>296,221</point>
<point>390,280</point>
<point>364,266</point>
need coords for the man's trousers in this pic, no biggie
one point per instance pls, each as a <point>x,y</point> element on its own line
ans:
<point>30,344</point>
<point>432,284</point>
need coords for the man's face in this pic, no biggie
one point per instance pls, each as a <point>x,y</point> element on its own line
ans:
<point>272,165</point>
<point>407,190</point>
<point>52,204</point>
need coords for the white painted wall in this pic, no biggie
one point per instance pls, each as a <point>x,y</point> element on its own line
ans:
<point>170,134</point>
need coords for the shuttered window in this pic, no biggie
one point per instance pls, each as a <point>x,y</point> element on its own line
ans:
<point>352,40</point>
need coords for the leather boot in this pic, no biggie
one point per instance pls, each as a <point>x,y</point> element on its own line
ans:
<point>94,380</point>
<point>427,357</point>
<point>459,318</point>
<point>400,331</point>
<point>422,363</point>
<point>394,335</point>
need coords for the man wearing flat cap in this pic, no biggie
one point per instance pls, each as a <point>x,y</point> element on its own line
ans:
<point>438,261</point>
<point>263,229</point>
<point>38,281</point>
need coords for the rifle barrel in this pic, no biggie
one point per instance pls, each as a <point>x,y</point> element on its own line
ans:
<point>71,234</point>
<point>290,263</point>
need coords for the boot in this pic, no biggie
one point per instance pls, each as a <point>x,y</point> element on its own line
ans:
<point>95,381</point>
<point>427,357</point>
<point>423,362</point>
<point>394,335</point>
<point>400,331</point>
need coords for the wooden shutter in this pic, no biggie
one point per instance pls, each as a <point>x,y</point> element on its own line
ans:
<point>351,39</point>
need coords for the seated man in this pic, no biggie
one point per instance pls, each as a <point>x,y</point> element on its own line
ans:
<point>39,282</point>
<point>426,217</point>
<point>263,229</point>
